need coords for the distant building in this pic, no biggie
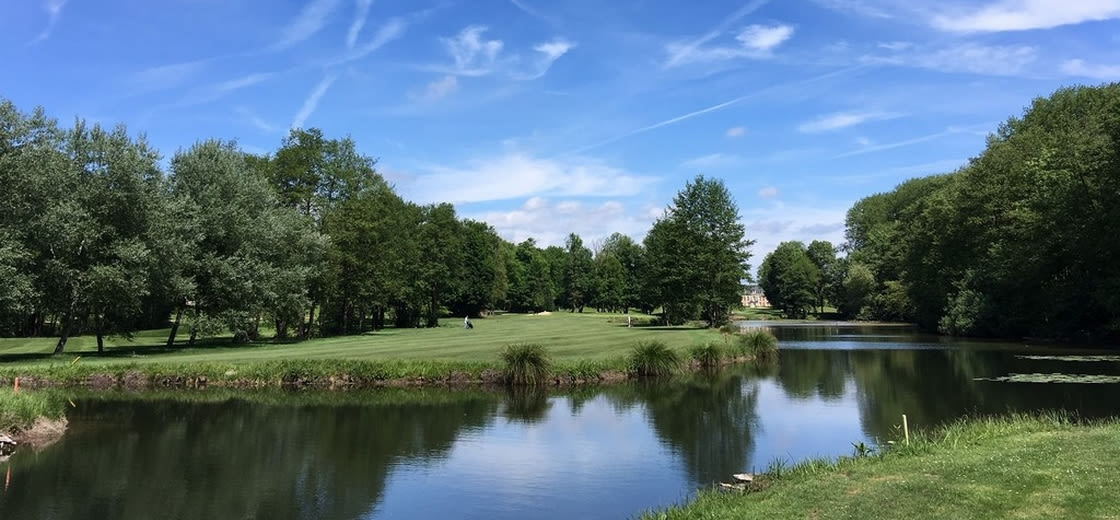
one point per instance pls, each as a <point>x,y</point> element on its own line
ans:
<point>754,297</point>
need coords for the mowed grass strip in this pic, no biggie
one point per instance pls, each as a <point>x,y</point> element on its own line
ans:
<point>1017,467</point>
<point>569,337</point>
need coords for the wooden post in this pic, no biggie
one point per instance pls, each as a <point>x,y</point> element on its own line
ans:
<point>905,429</point>
<point>15,389</point>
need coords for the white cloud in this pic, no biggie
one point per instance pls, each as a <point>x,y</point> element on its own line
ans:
<point>978,130</point>
<point>530,11</point>
<point>894,46</point>
<point>248,116</point>
<point>755,41</point>
<point>475,56</point>
<point>389,31</point>
<point>843,120</point>
<point>308,22</point>
<point>776,223</point>
<point>768,192</point>
<point>864,142</point>
<point>214,92</point>
<point>515,175</point>
<point>763,39</point>
<point>736,131</point>
<point>973,58</point>
<point>312,101</point>
<point>1021,15</point>
<point>1086,70</point>
<point>164,76</point>
<point>682,52</point>
<point>54,12</point>
<point>360,14</point>
<point>437,89</point>
<point>713,161</point>
<point>549,222</point>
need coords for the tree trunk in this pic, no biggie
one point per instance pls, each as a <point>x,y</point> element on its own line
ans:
<point>174,327</point>
<point>65,330</point>
<point>100,342</point>
<point>306,333</point>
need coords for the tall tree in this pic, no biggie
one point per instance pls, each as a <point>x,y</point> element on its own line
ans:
<point>704,221</point>
<point>823,255</point>
<point>790,279</point>
<point>630,255</point>
<point>578,269</point>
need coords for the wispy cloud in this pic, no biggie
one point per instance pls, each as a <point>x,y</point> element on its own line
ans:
<point>754,41</point>
<point>164,77</point>
<point>860,7</point>
<point>1022,15</point>
<point>213,92</point>
<point>514,175</point>
<point>735,131</point>
<point>475,56</point>
<point>549,221</point>
<point>973,58</point>
<point>713,161</point>
<point>768,192</point>
<point>361,12</point>
<point>844,120</point>
<point>389,31</point>
<point>437,89</point>
<point>1086,70</point>
<point>527,9</point>
<point>952,130</point>
<point>308,22</point>
<point>719,106</point>
<point>54,12</point>
<point>680,53</point>
<point>312,101</point>
<point>251,118</point>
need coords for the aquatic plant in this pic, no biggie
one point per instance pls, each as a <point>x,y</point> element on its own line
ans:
<point>526,364</point>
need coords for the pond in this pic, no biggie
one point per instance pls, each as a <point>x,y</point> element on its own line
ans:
<point>608,452</point>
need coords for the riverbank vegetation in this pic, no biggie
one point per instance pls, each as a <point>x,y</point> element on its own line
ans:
<point>1010,467</point>
<point>1013,244</point>
<point>18,411</point>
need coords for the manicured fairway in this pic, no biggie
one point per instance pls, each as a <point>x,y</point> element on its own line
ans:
<point>567,336</point>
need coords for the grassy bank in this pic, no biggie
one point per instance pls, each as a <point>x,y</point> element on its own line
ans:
<point>1014,467</point>
<point>581,348</point>
<point>19,411</point>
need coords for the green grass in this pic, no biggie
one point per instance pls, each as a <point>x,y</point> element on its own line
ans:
<point>1013,467</point>
<point>708,355</point>
<point>758,343</point>
<point>569,337</point>
<point>18,411</point>
<point>582,348</point>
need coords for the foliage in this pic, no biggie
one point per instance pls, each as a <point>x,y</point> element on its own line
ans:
<point>653,359</point>
<point>526,364</point>
<point>706,282</point>
<point>790,279</point>
<point>18,411</point>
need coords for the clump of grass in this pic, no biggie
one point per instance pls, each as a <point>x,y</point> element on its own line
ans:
<point>708,355</point>
<point>18,411</point>
<point>653,359</point>
<point>526,364</point>
<point>729,328</point>
<point>758,343</point>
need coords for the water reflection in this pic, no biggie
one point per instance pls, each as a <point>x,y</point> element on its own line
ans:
<point>588,452</point>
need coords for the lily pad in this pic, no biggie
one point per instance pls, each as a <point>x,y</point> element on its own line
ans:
<point>1072,358</point>
<point>1054,378</point>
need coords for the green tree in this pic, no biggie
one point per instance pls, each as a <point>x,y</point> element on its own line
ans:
<point>578,269</point>
<point>823,255</point>
<point>696,254</point>
<point>790,279</point>
<point>629,254</point>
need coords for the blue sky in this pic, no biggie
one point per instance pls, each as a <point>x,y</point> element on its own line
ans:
<point>544,118</point>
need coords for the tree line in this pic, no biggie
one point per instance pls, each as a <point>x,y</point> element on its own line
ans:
<point>98,237</point>
<point>1016,243</point>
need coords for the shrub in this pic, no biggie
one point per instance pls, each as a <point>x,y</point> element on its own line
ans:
<point>758,343</point>
<point>653,359</point>
<point>707,355</point>
<point>526,364</point>
<point>729,328</point>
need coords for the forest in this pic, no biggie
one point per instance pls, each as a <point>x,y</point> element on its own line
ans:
<point>99,236</point>
<point>1016,243</point>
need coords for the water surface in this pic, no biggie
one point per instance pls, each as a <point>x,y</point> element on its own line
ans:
<point>590,453</point>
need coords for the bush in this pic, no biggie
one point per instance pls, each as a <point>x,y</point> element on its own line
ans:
<point>708,355</point>
<point>526,364</point>
<point>653,359</point>
<point>758,343</point>
<point>729,328</point>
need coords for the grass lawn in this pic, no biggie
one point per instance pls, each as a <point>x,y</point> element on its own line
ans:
<point>569,337</point>
<point>1017,467</point>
